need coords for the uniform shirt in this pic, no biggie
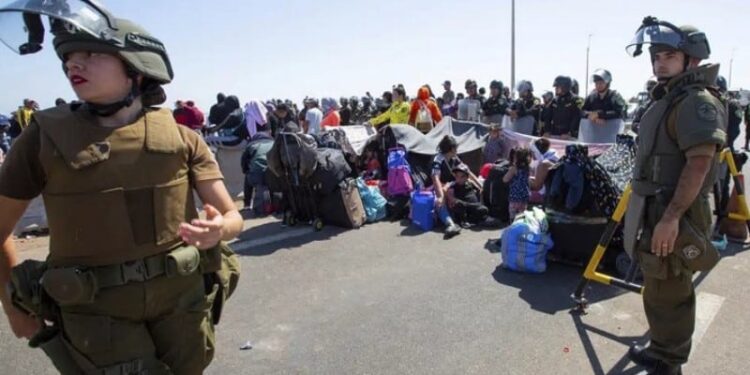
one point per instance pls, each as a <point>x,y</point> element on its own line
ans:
<point>527,106</point>
<point>610,106</point>
<point>496,105</point>
<point>564,115</point>
<point>398,113</point>
<point>22,176</point>
<point>734,112</point>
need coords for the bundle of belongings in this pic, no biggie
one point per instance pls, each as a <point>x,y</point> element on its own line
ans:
<point>524,245</point>
<point>582,194</point>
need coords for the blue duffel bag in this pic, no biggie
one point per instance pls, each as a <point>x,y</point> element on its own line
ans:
<point>525,243</point>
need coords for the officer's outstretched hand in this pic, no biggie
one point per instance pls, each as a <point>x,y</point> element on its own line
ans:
<point>204,234</point>
<point>665,235</point>
<point>22,324</point>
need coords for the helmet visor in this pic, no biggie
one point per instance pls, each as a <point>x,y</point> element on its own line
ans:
<point>23,23</point>
<point>654,34</point>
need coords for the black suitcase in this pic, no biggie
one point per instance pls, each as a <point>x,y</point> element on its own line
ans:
<point>495,192</point>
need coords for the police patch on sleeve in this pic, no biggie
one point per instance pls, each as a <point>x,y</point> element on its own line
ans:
<point>707,112</point>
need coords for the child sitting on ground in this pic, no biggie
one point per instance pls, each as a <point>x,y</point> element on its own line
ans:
<point>518,178</point>
<point>464,199</point>
<point>371,168</point>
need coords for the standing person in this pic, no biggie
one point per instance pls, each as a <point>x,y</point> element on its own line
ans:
<point>747,128</point>
<point>734,112</point>
<point>496,106</point>
<point>346,111</point>
<point>449,97</point>
<point>130,282</point>
<point>197,119</point>
<point>518,178</point>
<point>398,113</point>
<point>643,105</point>
<point>603,103</point>
<point>668,225</point>
<point>331,116</point>
<point>527,105</point>
<point>424,113</point>
<point>24,112</point>
<point>4,136</point>
<point>564,114</point>
<point>313,117</point>
<point>217,113</point>
<point>180,114</point>
<point>280,117</point>
<point>254,163</point>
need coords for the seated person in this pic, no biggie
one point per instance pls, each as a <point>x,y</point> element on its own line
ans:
<point>371,168</point>
<point>464,199</point>
<point>442,174</point>
<point>549,159</point>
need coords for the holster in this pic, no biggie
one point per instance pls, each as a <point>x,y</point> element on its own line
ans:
<point>26,289</point>
<point>54,345</point>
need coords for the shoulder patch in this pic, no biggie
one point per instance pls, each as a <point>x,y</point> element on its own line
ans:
<point>707,111</point>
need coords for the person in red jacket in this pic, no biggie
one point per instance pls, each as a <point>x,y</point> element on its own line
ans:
<point>197,119</point>
<point>425,113</point>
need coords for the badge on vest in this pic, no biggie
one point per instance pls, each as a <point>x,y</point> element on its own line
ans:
<point>707,112</point>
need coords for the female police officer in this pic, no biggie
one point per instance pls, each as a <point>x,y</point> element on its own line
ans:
<point>129,259</point>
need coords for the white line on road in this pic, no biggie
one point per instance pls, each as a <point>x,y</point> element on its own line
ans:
<point>708,306</point>
<point>285,235</point>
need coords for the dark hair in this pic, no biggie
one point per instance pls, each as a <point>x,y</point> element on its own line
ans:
<point>400,91</point>
<point>388,96</point>
<point>447,144</point>
<point>542,144</point>
<point>522,156</point>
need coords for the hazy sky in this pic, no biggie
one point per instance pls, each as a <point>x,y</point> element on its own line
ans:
<point>289,49</point>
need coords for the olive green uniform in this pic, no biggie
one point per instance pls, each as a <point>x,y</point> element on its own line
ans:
<point>129,296</point>
<point>684,117</point>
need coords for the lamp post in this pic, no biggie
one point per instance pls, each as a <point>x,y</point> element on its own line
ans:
<point>731,62</point>
<point>512,47</point>
<point>586,78</point>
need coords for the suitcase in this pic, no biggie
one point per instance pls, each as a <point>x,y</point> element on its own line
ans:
<point>343,207</point>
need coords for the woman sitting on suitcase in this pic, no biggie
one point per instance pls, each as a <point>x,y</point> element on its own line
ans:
<point>464,199</point>
<point>442,174</point>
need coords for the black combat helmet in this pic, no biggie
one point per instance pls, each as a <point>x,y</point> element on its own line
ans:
<point>496,85</point>
<point>564,82</point>
<point>721,83</point>
<point>662,35</point>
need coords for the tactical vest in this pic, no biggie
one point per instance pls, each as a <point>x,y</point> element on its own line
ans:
<point>113,195</point>
<point>659,161</point>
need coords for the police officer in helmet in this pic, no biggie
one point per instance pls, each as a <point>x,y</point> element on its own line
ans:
<point>668,222</point>
<point>134,280</point>
<point>563,116</point>
<point>497,105</point>
<point>603,104</point>
<point>734,111</point>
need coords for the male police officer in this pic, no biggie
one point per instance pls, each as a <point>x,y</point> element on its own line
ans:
<point>734,112</point>
<point>564,113</point>
<point>496,106</point>
<point>668,222</point>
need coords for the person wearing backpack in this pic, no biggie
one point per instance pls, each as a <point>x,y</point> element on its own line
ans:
<point>425,113</point>
<point>442,174</point>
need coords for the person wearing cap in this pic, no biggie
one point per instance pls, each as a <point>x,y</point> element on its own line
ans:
<point>668,221</point>
<point>603,103</point>
<point>134,280</point>
<point>254,163</point>
<point>464,199</point>
<point>398,113</point>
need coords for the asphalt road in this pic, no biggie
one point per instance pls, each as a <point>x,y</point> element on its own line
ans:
<point>387,299</point>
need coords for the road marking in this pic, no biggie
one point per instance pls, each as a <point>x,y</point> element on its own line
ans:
<point>708,306</point>
<point>285,235</point>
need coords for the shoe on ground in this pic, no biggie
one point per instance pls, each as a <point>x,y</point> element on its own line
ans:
<point>452,231</point>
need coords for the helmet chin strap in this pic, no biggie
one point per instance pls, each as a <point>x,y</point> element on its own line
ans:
<point>107,110</point>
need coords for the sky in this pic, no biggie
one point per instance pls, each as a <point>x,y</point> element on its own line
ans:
<point>297,48</point>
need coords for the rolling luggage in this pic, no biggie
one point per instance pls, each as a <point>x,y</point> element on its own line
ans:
<point>343,207</point>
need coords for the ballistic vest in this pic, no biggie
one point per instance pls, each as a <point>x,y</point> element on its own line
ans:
<point>659,160</point>
<point>113,195</point>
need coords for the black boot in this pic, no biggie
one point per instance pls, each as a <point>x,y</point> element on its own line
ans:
<point>639,355</point>
<point>452,230</point>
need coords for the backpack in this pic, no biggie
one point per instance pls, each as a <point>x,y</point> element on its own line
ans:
<point>525,243</point>
<point>495,191</point>
<point>424,120</point>
<point>399,173</point>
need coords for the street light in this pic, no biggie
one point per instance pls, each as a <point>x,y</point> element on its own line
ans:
<point>588,50</point>
<point>512,47</point>
<point>731,62</point>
